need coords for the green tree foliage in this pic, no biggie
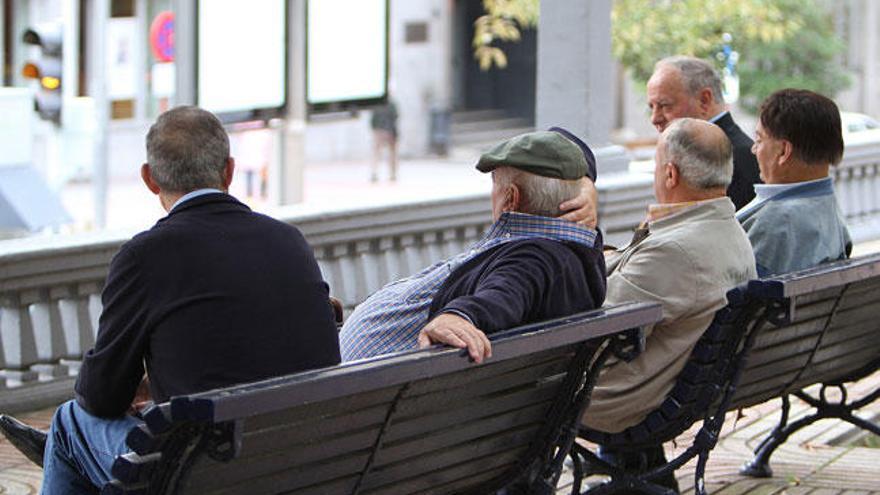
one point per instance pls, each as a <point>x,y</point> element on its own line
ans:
<point>502,22</point>
<point>808,59</point>
<point>782,43</point>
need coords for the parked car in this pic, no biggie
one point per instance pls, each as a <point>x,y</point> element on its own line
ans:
<point>859,128</point>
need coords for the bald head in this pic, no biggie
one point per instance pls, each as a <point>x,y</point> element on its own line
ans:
<point>701,155</point>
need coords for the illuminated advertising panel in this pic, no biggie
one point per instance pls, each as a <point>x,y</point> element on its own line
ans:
<point>347,53</point>
<point>242,58</point>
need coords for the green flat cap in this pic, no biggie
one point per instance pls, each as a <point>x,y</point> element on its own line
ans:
<point>544,153</point>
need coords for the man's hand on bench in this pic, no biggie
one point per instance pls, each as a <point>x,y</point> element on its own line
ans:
<point>453,330</point>
<point>142,397</point>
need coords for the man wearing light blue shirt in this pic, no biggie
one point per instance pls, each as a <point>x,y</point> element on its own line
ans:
<point>794,222</point>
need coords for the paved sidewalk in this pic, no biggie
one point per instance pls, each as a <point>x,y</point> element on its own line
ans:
<point>328,186</point>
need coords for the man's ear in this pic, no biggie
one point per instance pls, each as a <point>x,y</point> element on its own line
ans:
<point>671,177</point>
<point>786,150</point>
<point>706,99</point>
<point>512,198</point>
<point>228,172</point>
<point>147,177</point>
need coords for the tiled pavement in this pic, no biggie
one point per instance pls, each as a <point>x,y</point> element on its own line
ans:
<point>18,476</point>
<point>808,464</point>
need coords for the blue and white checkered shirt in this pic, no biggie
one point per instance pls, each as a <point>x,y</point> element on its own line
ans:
<point>390,319</point>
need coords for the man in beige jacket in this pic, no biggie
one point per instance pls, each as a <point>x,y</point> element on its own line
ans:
<point>687,254</point>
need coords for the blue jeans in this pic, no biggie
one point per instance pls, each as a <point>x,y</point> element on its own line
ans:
<point>80,450</point>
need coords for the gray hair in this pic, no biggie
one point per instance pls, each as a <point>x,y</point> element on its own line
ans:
<point>539,195</point>
<point>696,74</point>
<point>704,161</point>
<point>187,149</point>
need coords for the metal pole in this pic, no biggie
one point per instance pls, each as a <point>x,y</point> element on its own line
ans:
<point>70,76</point>
<point>98,90</point>
<point>289,172</point>
<point>185,46</point>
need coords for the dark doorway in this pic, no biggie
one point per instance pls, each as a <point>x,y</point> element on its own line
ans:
<point>512,89</point>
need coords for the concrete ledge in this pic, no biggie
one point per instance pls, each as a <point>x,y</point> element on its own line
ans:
<point>36,395</point>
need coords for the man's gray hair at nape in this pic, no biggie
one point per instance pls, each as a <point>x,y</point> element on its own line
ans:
<point>187,149</point>
<point>704,160</point>
<point>539,195</point>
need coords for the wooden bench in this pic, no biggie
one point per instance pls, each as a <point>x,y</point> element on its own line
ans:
<point>776,337</point>
<point>415,422</point>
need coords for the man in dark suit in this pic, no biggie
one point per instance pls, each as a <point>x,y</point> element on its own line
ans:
<point>213,295</point>
<point>690,87</point>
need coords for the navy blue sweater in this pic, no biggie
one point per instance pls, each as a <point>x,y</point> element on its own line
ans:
<point>525,282</point>
<point>212,296</point>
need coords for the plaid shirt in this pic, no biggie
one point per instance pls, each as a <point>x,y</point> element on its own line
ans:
<point>390,319</point>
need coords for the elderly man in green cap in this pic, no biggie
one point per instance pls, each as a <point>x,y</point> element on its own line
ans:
<point>530,265</point>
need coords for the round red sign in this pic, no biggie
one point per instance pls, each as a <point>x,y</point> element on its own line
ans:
<point>162,36</point>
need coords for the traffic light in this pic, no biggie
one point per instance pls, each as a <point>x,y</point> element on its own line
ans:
<point>46,69</point>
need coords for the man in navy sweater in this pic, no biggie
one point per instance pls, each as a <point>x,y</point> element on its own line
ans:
<point>530,266</point>
<point>213,295</point>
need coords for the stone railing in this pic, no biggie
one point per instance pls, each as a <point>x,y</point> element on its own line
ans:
<point>857,184</point>
<point>49,287</point>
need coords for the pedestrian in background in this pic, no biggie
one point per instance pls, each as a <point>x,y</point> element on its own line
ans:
<point>383,122</point>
